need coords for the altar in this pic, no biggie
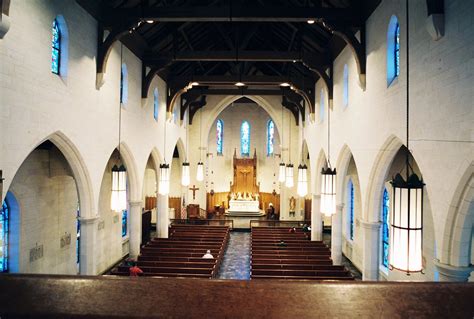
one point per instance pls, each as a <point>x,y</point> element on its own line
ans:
<point>243,206</point>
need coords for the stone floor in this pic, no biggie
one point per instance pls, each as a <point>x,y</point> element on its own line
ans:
<point>236,263</point>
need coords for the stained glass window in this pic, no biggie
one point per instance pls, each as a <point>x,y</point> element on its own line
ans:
<point>55,47</point>
<point>345,93</point>
<point>78,236</point>
<point>270,137</point>
<point>321,107</point>
<point>245,139</point>
<point>124,222</point>
<point>397,50</point>
<point>155,104</point>
<point>350,208</point>
<point>4,229</point>
<point>219,135</point>
<point>385,227</point>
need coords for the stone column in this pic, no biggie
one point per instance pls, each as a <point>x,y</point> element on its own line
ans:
<point>135,232</point>
<point>452,273</point>
<point>88,240</point>
<point>162,220</point>
<point>336,235</point>
<point>316,218</point>
<point>370,250</point>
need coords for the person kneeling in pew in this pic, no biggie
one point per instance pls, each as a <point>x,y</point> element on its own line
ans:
<point>208,255</point>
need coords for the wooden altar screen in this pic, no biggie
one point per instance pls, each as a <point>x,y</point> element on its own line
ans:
<point>245,175</point>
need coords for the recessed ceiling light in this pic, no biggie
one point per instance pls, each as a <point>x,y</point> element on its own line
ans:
<point>150,21</point>
<point>194,83</point>
<point>239,84</point>
<point>310,21</point>
<point>285,84</point>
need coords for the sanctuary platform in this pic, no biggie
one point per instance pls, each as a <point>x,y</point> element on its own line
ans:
<point>242,219</point>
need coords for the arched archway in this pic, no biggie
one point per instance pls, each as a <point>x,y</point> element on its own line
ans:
<point>150,193</point>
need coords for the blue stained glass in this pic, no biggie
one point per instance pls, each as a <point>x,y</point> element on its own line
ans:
<point>219,133</point>
<point>245,139</point>
<point>270,137</point>
<point>385,227</point>
<point>351,209</point>
<point>345,97</point>
<point>397,50</point>
<point>124,222</point>
<point>321,107</point>
<point>155,104</point>
<point>4,229</point>
<point>78,236</point>
<point>56,47</point>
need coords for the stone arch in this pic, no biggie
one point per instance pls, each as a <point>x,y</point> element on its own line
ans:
<point>320,163</point>
<point>226,101</point>
<point>378,174</point>
<point>342,165</point>
<point>458,231</point>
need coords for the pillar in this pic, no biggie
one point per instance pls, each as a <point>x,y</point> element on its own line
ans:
<point>452,273</point>
<point>316,218</point>
<point>370,250</point>
<point>87,257</point>
<point>162,220</point>
<point>135,232</point>
<point>336,235</point>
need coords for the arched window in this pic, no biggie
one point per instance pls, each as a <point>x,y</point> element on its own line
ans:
<point>385,227</point>
<point>124,222</point>
<point>4,230</point>
<point>124,84</point>
<point>155,104</point>
<point>55,47</point>
<point>245,139</point>
<point>350,208</point>
<point>393,50</point>
<point>321,106</point>
<point>270,137</point>
<point>219,136</point>
<point>345,92</point>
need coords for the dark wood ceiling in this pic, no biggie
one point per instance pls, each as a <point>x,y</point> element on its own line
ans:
<point>218,41</point>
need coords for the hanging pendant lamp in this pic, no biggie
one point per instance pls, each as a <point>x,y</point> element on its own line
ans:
<point>200,164</point>
<point>328,191</point>
<point>118,199</point>
<point>406,220</point>
<point>289,176</point>
<point>185,174</point>
<point>302,180</point>
<point>282,169</point>
<point>164,182</point>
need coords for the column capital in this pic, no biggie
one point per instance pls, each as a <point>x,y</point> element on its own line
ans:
<point>453,273</point>
<point>370,225</point>
<point>88,220</point>
<point>317,196</point>
<point>133,203</point>
<point>340,207</point>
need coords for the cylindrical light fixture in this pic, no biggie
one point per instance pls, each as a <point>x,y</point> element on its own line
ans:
<point>185,174</point>
<point>118,201</point>
<point>282,173</point>
<point>328,191</point>
<point>200,172</point>
<point>302,180</point>
<point>406,224</point>
<point>289,176</point>
<point>164,182</point>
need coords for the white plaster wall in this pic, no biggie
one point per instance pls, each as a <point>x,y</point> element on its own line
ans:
<point>47,197</point>
<point>441,113</point>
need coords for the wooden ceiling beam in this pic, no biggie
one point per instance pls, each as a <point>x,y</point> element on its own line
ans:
<point>235,13</point>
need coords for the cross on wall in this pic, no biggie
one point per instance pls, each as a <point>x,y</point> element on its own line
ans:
<point>194,189</point>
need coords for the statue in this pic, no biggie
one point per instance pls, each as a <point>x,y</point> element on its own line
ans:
<point>239,196</point>
<point>232,196</point>
<point>292,206</point>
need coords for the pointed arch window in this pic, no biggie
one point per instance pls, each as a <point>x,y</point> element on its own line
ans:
<point>124,84</point>
<point>321,106</point>
<point>270,137</point>
<point>345,93</point>
<point>350,208</point>
<point>124,222</point>
<point>385,227</point>
<point>219,136</point>
<point>393,50</point>
<point>55,47</point>
<point>155,104</point>
<point>245,139</point>
<point>4,232</point>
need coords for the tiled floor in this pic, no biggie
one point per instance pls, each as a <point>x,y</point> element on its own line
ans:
<point>236,263</point>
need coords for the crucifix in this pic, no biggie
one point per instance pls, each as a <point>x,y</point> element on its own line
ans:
<point>194,189</point>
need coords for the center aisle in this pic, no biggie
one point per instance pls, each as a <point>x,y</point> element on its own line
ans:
<point>236,263</point>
